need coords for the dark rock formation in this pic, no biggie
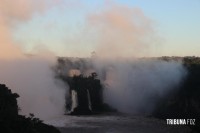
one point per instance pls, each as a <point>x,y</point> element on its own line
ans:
<point>86,95</point>
<point>12,122</point>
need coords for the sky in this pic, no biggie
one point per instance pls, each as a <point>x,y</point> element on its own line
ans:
<point>79,27</point>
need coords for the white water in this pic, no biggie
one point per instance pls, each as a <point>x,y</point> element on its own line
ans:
<point>74,100</point>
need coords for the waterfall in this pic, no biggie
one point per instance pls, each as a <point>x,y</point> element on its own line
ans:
<point>74,100</point>
<point>89,100</point>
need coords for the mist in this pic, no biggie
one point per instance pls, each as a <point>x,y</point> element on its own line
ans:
<point>119,33</point>
<point>33,79</point>
<point>122,35</point>
<point>29,76</point>
<point>136,87</point>
<point>128,32</point>
<point>130,85</point>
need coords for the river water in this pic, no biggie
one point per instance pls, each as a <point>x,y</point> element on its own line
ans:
<point>114,123</point>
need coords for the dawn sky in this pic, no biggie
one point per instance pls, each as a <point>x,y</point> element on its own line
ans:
<point>65,30</point>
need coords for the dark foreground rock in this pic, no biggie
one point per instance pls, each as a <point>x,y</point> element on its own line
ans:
<point>12,122</point>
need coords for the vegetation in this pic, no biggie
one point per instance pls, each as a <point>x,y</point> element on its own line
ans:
<point>12,122</point>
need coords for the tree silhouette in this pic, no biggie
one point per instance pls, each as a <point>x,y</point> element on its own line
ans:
<point>12,122</point>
